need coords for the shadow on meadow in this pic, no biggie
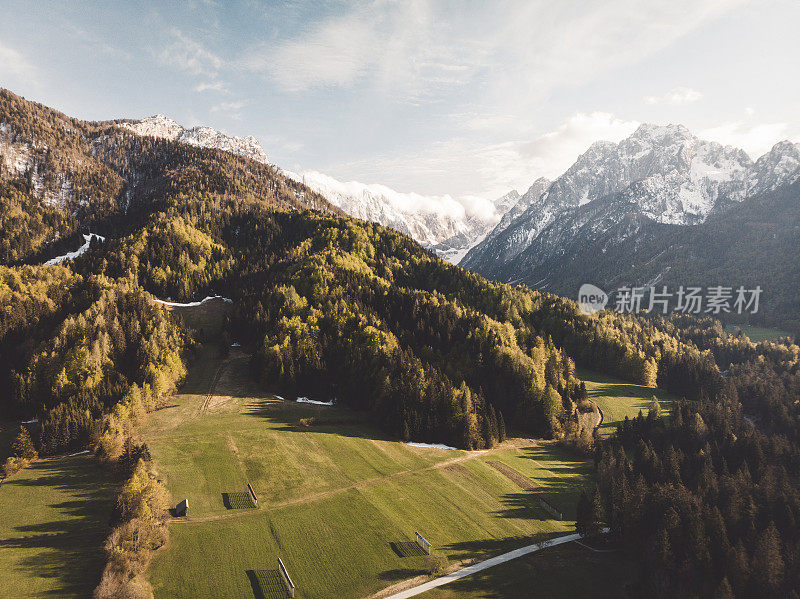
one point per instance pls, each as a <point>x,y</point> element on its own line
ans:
<point>327,420</point>
<point>266,584</point>
<point>70,550</point>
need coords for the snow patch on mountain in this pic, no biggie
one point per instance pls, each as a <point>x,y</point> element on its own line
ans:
<point>17,156</point>
<point>79,252</point>
<point>205,137</point>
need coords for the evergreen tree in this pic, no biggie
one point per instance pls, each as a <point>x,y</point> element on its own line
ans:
<point>768,564</point>
<point>501,427</point>
<point>589,521</point>
<point>23,447</point>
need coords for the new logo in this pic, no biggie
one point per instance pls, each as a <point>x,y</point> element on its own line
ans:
<point>591,299</point>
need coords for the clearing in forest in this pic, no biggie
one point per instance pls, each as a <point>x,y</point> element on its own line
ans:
<point>338,502</point>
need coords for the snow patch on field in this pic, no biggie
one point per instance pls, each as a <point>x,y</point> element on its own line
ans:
<point>192,304</point>
<point>315,402</point>
<point>79,252</point>
<point>430,445</point>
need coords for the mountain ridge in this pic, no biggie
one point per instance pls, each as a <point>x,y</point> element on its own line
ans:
<point>164,127</point>
<point>632,195</point>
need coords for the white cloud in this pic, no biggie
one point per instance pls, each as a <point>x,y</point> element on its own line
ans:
<point>335,53</point>
<point>216,86</point>
<point>754,138</point>
<point>231,109</point>
<point>465,167</point>
<point>404,202</point>
<point>551,154</point>
<point>394,45</point>
<point>515,49</point>
<point>677,96</point>
<point>14,64</point>
<point>189,55</point>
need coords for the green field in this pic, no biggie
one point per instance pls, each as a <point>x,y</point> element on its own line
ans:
<point>617,398</point>
<point>54,520</point>
<point>562,572</point>
<point>338,502</point>
<point>757,334</point>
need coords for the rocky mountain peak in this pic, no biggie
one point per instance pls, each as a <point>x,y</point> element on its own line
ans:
<point>660,173</point>
<point>164,127</point>
<point>779,166</point>
<point>661,133</point>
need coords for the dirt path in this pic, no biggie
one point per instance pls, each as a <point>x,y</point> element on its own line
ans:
<point>214,380</point>
<point>523,482</point>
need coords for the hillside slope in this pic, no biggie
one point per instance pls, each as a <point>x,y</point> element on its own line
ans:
<point>60,176</point>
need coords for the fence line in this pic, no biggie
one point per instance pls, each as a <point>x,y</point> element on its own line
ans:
<point>422,542</point>
<point>286,580</point>
<point>252,494</point>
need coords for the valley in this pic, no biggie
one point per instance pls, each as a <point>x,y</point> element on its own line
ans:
<point>152,445</point>
<point>338,501</point>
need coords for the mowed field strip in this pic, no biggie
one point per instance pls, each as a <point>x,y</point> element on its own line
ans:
<point>338,502</point>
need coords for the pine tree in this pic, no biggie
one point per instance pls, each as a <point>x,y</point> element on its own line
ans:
<point>724,590</point>
<point>583,517</point>
<point>23,447</point>
<point>589,521</point>
<point>654,409</point>
<point>501,426</point>
<point>768,565</point>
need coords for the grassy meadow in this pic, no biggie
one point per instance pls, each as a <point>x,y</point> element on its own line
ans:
<point>338,502</point>
<point>758,334</point>
<point>617,398</point>
<point>54,521</point>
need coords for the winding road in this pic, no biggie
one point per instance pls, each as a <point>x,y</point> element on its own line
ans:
<point>484,565</point>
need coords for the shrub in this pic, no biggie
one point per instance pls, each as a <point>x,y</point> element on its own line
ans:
<point>115,585</point>
<point>436,564</point>
<point>13,465</point>
<point>130,545</point>
<point>142,496</point>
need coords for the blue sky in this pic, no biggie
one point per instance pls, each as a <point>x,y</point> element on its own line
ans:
<point>436,97</point>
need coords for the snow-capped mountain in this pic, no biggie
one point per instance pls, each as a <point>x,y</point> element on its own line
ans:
<point>441,223</point>
<point>523,202</point>
<point>204,137</point>
<point>680,176</point>
<point>779,166</point>
<point>455,248</point>
<point>662,174</point>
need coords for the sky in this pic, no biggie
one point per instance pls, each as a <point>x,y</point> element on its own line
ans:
<point>453,98</point>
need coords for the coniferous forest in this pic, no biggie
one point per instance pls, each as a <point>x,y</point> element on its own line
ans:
<point>707,502</point>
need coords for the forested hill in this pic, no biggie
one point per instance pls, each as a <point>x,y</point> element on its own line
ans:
<point>60,176</point>
<point>330,306</point>
<point>336,308</point>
